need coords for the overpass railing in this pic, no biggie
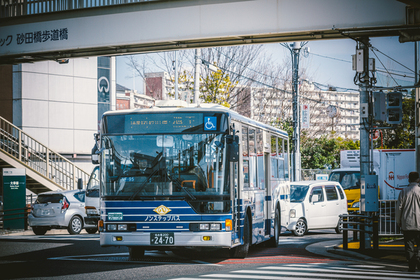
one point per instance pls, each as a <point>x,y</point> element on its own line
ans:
<point>13,8</point>
<point>31,153</point>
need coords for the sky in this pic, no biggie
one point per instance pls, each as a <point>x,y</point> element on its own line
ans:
<point>328,62</point>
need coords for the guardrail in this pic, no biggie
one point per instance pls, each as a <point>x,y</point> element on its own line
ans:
<point>360,225</point>
<point>15,214</point>
<point>13,8</point>
<point>39,157</point>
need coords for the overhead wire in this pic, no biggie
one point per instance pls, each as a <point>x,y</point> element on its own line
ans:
<point>276,88</point>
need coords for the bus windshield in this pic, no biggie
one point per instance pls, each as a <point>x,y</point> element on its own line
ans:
<point>186,166</point>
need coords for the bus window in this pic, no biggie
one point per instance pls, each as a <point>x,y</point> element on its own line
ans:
<point>281,169</point>
<point>252,159</point>
<point>245,141</point>
<point>260,160</point>
<point>273,156</point>
<point>245,154</point>
<point>281,148</point>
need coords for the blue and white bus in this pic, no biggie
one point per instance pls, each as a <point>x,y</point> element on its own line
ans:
<point>191,177</point>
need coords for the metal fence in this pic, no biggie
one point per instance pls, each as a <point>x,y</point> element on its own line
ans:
<point>387,222</point>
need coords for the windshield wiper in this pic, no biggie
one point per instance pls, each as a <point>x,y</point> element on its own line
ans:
<point>143,185</point>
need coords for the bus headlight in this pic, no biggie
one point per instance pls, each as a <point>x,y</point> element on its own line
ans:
<point>204,227</point>
<point>292,213</point>
<point>355,205</point>
<point>122,227</point>
<point>111,227</point>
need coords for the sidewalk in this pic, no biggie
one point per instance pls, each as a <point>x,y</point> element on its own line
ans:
<point>390,253</point>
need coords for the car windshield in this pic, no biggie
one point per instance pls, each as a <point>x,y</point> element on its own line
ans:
<point>173,166</point>
<point>298,192</point>
<point>347,179</point>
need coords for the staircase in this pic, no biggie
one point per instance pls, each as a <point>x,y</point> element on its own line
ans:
<point>46,170</point>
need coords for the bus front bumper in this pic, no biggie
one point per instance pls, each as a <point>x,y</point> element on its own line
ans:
<point>181,239</point>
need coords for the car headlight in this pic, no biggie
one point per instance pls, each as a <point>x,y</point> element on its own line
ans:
<point>355,205</point>
<point>292,213</point>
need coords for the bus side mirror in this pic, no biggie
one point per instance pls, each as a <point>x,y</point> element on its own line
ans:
<point>95,155</point>
<point>80,183</point>
<point>232,148</point>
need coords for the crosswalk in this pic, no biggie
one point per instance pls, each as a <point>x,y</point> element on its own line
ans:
<point>310,271</point>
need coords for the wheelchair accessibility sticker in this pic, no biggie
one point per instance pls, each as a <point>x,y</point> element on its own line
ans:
<point>210,123</point>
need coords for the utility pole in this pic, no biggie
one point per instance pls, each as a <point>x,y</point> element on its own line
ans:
<point>295,49</point>
<point>197,76</point>
<point>296,112</point>
<point>363,55</point>
<point>176,75</point>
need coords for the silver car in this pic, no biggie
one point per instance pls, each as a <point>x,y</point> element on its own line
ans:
<point>65,210</point>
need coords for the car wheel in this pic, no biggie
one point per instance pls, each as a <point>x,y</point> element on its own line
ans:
<point>301,228</point>
<point>75,225</point>
<point>339,227</point>
<point>91,230</point>
<point>39,230</point>
<point>274,241</point>
<point>136,253</point>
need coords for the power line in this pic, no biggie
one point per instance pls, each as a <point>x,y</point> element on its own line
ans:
<point>275,88</point>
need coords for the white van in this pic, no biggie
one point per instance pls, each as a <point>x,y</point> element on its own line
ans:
<point>316,205</point>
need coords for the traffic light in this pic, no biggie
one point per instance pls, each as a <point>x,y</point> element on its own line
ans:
<point>394,107</point>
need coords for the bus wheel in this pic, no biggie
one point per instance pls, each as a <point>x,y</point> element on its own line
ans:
<point>136,253</point>
<point>301,228</point>
<point>241,251</point>
<point>274,241</point>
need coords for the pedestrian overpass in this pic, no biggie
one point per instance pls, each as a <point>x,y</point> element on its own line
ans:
<point>39,30</point>
<point>36,30</point>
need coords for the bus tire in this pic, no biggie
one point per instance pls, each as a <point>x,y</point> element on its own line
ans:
<point>91,230</point>
<point>241,251</point>
<point>136,253</point>
<point>274,241</point>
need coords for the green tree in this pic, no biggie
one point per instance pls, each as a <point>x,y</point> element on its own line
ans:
<point>319,153</point>
<point>216,88</point>
<point>401,136</point>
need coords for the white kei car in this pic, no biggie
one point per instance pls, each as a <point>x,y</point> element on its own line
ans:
<point>316,205</point>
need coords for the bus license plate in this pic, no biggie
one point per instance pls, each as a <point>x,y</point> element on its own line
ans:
<point>162,238</point>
